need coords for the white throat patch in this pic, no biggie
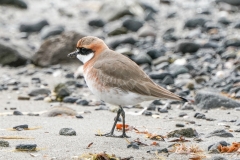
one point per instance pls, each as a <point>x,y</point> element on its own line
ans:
<point>85,58</point>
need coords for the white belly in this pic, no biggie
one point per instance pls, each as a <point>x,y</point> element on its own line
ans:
<point>116,96</point>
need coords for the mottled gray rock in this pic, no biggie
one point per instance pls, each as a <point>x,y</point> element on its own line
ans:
<point>219,158</point>
<point>17,3</point>
<point>33,27</point>
<point>235,42</point>
<point>49,31</point>
<point>199,116</point>
<point>54,50</point>
<point>61,91</point>
<point>208,99</point>
<point>13,55</point>
<point>26,147</point>
<point>186,132</point>
<point>21,127</point>
<point>39,91</point>
<point>220,133</point>
<point>4,143</point>
<point>67,132</point>
<point>168,80</point>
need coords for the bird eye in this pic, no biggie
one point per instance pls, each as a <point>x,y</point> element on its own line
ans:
<point>85,51</point>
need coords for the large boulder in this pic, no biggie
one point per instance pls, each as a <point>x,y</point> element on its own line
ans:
<point>55,49</point>
<point>13,55</point>
<point>208,100</point>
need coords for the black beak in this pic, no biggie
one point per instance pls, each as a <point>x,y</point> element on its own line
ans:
<point>73,54</point>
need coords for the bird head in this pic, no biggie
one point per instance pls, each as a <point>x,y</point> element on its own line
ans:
<point>87,48</point>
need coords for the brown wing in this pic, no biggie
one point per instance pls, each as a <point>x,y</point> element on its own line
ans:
<point>116,70</point>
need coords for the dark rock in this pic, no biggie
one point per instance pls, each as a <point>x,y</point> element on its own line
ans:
<point>61,91</point>
<point>151,107</point>
<point>4,143</point>
<point>26,147</point>
<point>211,25</point>
<point>177,70</point>
<point>39,91</point>
<point>70,99</point>
<point>188,132</point>
<point>180,125</point>
<point>154,53</point>
<point>235,42</point>
<point>114,42</point>
<point>148,6</point>
<point>79,116</point>
<point>168,80</point>
<point>13,55</point>
<point>17,3</point>
<point>96,22</point>
<point>17,113</point>
<point>132,24</point>
<point>208,99</point>
<point>33,27</point>
<point>142,58</point>
<point>182,114</point>
<point>195,22</point>
<point>21,127</point>
<point>67,132</point>
<point>82,102</point>
<point>35,80</point>
<point>49,31</point>
<point>224,20</point>
<point>157,102</point>
<point>54,50</point>
<point>214,148</point>
<point>187,47</point>
<point>220,133</point>
<point>199,116</point>
<point>60,110</point>
<point>187,106</point>
<point>156,75</point>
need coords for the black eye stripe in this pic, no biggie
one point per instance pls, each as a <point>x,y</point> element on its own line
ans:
<point>84,51</point>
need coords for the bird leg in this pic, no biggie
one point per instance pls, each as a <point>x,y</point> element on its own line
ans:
<point>120,111</point>
<point>110,134</point>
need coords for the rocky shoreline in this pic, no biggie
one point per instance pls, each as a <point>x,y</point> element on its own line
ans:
<point>190,48</point>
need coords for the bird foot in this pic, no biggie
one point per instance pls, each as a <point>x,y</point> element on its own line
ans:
<point>113,135</point>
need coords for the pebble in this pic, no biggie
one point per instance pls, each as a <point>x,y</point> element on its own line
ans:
<point>23,97</point>
<point>17,113</point>
<point>187,47</point>
<point>67,132</point>
<point>4,143</point>
<point>162,110</point>
<point>26,147</point>
<point>21,127</point>
<point>220,133</point>
<point>133,145</point>
<point>182,114</point>
<point>132,24</point>
<point>79,116</point>
<point>219,158</point>
<point>180,125</point>
<point>60,110</point>
<point>102,107</point>
<point>199,116</point>
<point>70,99</point>
<point>82,102</point>
<point>33,27</point>
<point>96,22</point>
<point>39,91</point>
<point>186,132</point>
